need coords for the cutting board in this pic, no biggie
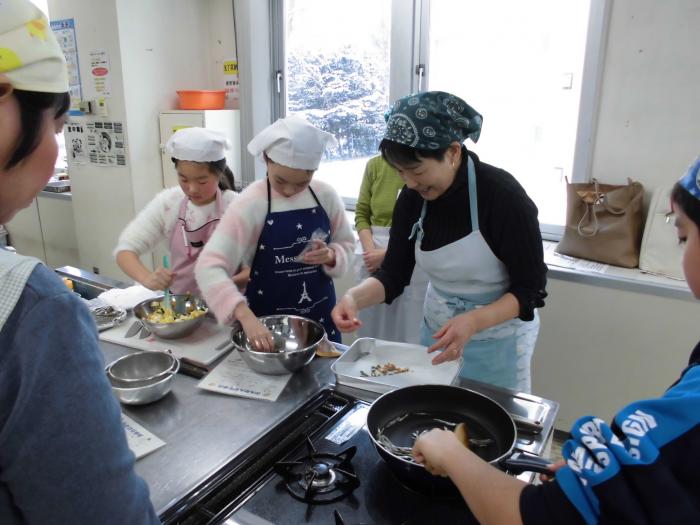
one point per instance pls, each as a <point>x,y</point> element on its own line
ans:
<point>200,346</point>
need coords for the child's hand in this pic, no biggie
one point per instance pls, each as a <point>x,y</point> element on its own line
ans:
<point>437,449</point>
<point>320,254</point>
<point>553,467</point>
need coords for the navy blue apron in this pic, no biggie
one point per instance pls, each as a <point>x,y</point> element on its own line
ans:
<point>280,286</point>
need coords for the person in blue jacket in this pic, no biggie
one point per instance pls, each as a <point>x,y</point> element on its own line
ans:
<point>641,468</point>
<point>64,458</point>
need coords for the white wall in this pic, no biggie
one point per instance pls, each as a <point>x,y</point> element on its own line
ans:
<point>221,40</point>
<point>155,48</point>
<point>601,348</point>
<point>649,118</point>
<point>102,197</point>
<point>158,59</point>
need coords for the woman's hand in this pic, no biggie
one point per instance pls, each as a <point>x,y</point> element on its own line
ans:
<point>320,254</point>
<point>452,337</point>
<point>436,449</point>
<point>161,279</point>
<point>260,337</point>
<point>373,259</point>
<point>344,314</point>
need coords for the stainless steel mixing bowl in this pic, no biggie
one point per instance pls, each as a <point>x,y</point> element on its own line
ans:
<point>138,389</point>
<point>296,340</point>
<point>181,304</point>
<point>134,369</point>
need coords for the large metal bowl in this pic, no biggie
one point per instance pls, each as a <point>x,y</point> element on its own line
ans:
<point>296,340</point>
<point>134,369</point>
<point>139,390</point>
<point>180,303</point>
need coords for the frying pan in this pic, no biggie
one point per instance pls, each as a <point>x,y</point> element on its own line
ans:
<point>402,414</point>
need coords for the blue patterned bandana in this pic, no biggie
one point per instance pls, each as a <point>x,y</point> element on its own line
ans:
<point>431,120</point>
<point>691,180</point>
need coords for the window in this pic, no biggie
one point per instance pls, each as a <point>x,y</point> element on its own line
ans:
<point>530,68</point>
<point>520,65</point>
<point>336,66</point>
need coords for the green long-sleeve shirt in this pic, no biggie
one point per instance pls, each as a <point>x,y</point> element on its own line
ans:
<point>380,187</point>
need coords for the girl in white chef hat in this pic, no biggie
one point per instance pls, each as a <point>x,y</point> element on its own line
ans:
<point>184,216</point>
<point>63,452</point>
<point>273,221</point>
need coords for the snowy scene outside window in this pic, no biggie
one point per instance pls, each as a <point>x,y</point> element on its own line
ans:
<point>337,71</point>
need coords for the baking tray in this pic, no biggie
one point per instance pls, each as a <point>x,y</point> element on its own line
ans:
<point>367,352</point>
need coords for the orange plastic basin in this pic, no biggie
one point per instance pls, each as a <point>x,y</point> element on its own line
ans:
<point>202,99</point>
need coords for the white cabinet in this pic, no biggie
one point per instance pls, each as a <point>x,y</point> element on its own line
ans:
<point>58,228</point>
<point>25,232</point>
<point>46,230</point>
<point>225,120</point>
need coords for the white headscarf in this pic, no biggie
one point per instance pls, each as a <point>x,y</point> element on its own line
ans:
<point>197,144</point>
<point>292,142</point>
<point>30,56</point>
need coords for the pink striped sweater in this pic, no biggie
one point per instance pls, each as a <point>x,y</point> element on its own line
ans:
<point>235,239</point>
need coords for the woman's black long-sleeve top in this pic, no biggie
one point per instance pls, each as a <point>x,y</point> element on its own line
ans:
<point>507,220</point>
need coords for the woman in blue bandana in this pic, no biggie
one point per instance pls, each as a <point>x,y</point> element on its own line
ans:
<point>641,468</point>
<point>472,228</point>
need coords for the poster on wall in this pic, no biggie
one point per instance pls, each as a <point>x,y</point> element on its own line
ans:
<point>74,133</point>
<point>231,83</point>
<point>64,30</point>
<point>100,71</point>
<point>106,143</point>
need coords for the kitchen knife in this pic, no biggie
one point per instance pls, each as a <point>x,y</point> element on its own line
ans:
<point>145,332</point>
<point>134,329</point>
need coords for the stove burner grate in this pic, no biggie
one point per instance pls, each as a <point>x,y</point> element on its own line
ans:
<point>319,477</point>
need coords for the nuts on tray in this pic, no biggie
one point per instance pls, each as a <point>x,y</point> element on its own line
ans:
<point>387,369</point>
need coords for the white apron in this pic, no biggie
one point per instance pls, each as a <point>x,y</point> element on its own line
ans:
<point>395,321</point>
<point>465,275</point>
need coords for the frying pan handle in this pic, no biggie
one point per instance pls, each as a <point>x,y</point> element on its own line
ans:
<point>518,463</point>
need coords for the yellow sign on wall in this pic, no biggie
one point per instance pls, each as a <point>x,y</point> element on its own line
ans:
<point>231,67</point>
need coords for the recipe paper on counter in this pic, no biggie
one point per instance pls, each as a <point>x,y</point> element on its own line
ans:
<point>140,440</point>
<point>233,377</point>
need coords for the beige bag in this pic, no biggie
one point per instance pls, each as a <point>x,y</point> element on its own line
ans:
<point>603,222</point>
<point>661,253</point>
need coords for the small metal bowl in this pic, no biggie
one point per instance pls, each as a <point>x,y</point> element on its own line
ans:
<point>134,369</point>
<point>180,303</point>
<point>296,340</point>
<point>142,391</point>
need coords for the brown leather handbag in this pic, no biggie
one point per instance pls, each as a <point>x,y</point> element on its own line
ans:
<point>604,222</point>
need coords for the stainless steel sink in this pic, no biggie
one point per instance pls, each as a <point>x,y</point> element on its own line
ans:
<point>87,284</point>
<point>57,186</point>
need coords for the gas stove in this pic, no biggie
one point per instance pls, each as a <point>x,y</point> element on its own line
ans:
<point>319,466</point>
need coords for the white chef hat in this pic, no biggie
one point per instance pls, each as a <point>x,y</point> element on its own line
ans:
<point>292,142</point>
<point>30,56</point>
<point>197,144</point>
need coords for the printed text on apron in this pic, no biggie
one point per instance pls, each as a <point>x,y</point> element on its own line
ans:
<point>280,286</point>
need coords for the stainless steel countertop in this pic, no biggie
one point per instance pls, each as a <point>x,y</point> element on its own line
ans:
<point>61,195</point>
<point>203,430</point>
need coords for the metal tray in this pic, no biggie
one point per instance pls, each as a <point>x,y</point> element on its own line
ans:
<point>366,352</point>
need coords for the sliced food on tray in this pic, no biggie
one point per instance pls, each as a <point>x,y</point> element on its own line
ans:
<point>385,369</point>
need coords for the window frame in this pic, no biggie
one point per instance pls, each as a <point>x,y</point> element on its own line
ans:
<point>411,33</point>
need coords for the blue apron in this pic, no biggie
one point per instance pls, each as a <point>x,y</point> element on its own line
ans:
<point>465,275</point>
<point>280,286</point>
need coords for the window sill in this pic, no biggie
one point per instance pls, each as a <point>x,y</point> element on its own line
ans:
<point>625,279</point>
